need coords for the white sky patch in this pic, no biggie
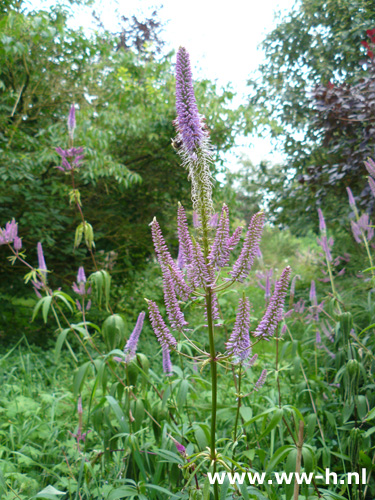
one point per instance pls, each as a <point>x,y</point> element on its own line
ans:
<point>222,39</point>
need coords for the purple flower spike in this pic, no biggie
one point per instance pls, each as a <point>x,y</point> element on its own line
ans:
<point>318,338</point>
<point>180,258</point>
<point>370,165</point>
<point>322,223</point>
<point>235,238</point>
<point>71,121</point>
<point>351,197</point>
<point>160,328</point>
<point>273,315</point>
<point>261,380</point>
<point>167,264</point>
<point>238,344</point>
<point>220,253</point>
<point>197,272</point>
<point>17,243</point>
<point>81,277</point>
<point>184,237</point>
<point>80,287</point>
<point>75,156</point>
<point>188,120</point>
<point>167,364</point>
<point>9,233</point>
<point>41,262</point>
<point>372,185</point>
<point>252,360</point>
<point>250,248</point>
<point>175,315</point>
<point>131,346</point>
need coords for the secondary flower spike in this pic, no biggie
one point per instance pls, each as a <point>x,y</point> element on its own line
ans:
<point>220,253</point>
<point>186,244</point>
<point>238,344</point>
<point>131,345</point>
<point>167,364</point>
<point>268,324</point>
<point>175,315</point>
<point>250,248</point>
<point>167,264</point>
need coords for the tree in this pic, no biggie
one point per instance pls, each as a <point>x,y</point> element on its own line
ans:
<point>125,96</point>
<point>316,44</point>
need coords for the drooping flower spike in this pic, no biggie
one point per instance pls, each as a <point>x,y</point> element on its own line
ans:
<point>167,264</point>
<point>160,328</point>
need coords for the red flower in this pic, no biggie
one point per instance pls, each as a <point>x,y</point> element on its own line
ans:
<point>370,33</point>
<point>370,54</point>
<point>365,44</point>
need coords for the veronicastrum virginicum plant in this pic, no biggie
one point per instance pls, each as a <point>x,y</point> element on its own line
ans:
<point>198,270</point>
<point>198,274</point>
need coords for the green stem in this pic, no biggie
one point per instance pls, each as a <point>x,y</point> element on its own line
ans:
<point>213,383</point>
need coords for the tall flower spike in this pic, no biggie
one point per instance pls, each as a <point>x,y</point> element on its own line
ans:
<point>131,345</point>
<point>41,262</point>
<point>193,140</point>
<point>188,119</point>
<point>167,364</point>
<point>220,253</point>
<point>160,328</point>
<point>174,312</point>
<point>238,344</point>
<point>186,244</point>
<point>273,315</point>
<point>250,248</point>
<point>167,264</point>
